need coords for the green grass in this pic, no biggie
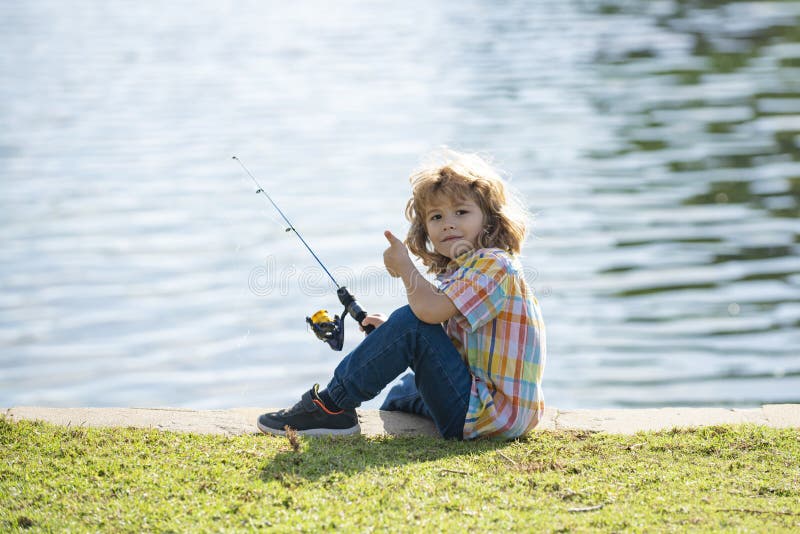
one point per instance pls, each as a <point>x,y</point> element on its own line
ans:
<point>718,478</point>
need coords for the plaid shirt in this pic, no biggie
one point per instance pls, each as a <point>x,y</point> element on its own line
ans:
<point>500,333</point>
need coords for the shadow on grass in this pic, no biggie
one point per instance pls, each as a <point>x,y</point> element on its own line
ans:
<point>316,458</point>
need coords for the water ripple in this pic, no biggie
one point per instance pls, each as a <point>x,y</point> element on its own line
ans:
<point>658,144</point>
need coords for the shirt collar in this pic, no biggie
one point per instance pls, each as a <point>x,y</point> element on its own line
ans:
<point>456,263</point>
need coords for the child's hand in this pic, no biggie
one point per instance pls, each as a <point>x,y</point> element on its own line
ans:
<point>396,258</point>
<point>374,319</point>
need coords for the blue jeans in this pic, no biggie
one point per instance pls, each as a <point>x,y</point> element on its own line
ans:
<point>441,378</point>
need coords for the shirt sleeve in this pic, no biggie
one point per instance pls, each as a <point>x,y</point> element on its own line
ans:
<point>477,289</point>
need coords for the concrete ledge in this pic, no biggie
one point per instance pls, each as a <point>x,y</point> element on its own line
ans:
<point>374,422</point>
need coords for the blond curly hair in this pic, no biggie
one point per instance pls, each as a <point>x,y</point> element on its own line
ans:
<point>460,176</point>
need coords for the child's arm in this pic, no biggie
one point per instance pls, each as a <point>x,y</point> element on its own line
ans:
<point>426,301</point>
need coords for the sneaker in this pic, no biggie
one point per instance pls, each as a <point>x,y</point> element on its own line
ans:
<point>310,417</point>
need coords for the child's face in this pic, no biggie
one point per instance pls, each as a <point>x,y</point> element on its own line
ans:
<point>453,225</point>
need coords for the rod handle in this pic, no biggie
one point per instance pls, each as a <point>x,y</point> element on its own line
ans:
<point>352,307</point>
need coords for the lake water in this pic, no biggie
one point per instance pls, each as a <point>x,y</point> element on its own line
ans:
<point>657,142</point>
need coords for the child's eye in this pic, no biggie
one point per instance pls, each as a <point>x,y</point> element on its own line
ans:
<point>435,217</point>
<point>461,212</point>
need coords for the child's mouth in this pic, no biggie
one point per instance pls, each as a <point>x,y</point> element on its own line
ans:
<point>451,238</point>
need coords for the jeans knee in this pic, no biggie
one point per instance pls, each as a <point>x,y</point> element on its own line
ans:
<point>405,315</point>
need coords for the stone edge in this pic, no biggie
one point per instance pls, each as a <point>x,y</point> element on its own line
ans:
<point>237,421</point>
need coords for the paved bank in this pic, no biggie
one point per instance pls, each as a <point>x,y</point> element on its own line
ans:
<point>374,422</point>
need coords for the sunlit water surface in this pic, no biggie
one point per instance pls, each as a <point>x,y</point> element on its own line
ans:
<point>657,142</point>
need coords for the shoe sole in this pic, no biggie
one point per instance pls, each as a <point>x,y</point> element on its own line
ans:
<point>312,431</point>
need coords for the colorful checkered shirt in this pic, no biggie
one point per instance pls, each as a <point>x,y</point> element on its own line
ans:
<point>501,336</point>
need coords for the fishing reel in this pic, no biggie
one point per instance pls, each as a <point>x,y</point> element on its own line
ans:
<point>331,330</point>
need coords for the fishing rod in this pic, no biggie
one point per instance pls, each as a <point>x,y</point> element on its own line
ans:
<point>331,331</point>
